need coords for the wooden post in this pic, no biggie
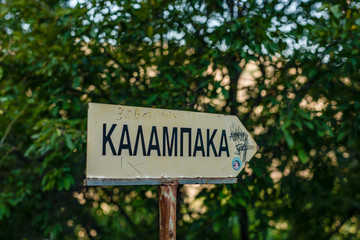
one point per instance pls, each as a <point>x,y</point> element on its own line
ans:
<point>167,210</point>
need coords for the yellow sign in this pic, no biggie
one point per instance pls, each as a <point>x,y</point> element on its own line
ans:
<point>145,143</point>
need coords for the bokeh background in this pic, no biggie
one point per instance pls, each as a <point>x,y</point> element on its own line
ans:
<point>289,69</point>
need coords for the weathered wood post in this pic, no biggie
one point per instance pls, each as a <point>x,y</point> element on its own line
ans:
<point>167,210</point>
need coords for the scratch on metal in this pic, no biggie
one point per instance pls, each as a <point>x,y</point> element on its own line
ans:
<point>135,168</point>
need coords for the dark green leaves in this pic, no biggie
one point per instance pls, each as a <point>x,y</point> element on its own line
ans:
<point>289,70</point>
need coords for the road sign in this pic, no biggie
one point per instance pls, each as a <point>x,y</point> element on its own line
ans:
<point>135,145</point>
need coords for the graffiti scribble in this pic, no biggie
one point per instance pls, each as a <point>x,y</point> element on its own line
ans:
<point>241,140</point>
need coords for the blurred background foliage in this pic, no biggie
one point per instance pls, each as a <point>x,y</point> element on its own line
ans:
<point>288,69</point>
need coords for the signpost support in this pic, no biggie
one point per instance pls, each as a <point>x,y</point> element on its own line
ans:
<point>167,210</point>
<point>147,146</point>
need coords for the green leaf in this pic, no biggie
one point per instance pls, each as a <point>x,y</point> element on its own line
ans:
<point>341,135</point>
<point>297,122</point>
<point>76,82</point>
<point>289,139</point>
<point>69,142</point>
<point>303,156</point>
<point>225,93</point>
<point>357,21</point>
<point>286,124</point>
<point>67,181</point>
<point>241,202</point>
<point>217,226</point>
<point>336,10</point>
<point>309,125</point>
<point>321,132</point>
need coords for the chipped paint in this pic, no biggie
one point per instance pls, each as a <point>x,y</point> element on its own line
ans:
<point>167,210</point>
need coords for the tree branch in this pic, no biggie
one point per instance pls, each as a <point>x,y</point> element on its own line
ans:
<point>351,213</point>
<point>7,131</point>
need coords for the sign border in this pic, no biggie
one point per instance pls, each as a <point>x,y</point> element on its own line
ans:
<point>155,181</point>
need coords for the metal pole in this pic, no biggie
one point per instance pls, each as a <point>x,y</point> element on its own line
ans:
<point>167,210</point>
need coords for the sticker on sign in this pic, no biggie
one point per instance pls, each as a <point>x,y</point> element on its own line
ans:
<point>136,145</point>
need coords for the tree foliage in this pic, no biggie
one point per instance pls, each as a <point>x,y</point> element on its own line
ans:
<point>288,69</point>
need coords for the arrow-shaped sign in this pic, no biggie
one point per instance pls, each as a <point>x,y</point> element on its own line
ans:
<point>135,145</point>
